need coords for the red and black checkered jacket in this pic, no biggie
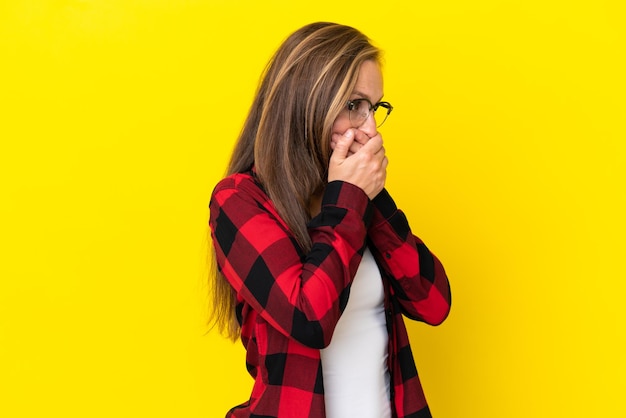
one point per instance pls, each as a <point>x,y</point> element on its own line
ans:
<point>288,301</point>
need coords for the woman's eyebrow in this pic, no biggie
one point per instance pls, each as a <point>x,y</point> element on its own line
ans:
<point>358,93</point>
<point>361,94</point>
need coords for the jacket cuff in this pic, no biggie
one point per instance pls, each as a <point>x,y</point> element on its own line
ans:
<point>384,204</point>
<point>346,195</point>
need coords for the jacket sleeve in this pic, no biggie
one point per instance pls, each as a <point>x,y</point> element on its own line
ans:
<point>301,295</point>
<point>417,278</point>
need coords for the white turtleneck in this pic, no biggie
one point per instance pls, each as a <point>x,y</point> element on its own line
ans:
<point>354,365</point>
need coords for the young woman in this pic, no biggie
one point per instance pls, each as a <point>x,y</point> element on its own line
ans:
<point>315,264</point>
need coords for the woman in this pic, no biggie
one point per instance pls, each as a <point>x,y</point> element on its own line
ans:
<point>316,265</point>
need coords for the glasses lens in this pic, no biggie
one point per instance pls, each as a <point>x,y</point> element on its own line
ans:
<point>381,115</point>
<point>359,112</point>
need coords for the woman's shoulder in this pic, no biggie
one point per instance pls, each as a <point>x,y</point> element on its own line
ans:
<point>235,180</point>
<point>245,183</point>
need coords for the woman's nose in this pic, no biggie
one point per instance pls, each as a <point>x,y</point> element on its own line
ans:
<point>369,125</point>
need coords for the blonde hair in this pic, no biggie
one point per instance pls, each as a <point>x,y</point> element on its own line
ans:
<point>287,133</point>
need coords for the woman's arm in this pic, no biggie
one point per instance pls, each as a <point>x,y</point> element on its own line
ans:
<point>301,295</point>
<point>418,279</point>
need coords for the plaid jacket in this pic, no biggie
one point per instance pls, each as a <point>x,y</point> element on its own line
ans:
<point>289,302</point>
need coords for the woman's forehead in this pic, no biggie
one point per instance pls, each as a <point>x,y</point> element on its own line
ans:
<point>369,83</point>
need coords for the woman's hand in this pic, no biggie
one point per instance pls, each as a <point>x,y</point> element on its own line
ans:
<point>360,139</point>
<point>359,160</point>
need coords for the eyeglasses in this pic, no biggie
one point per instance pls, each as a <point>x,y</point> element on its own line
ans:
<point>360,109</point>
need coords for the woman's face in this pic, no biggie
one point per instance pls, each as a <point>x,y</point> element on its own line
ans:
<point>369,85</point>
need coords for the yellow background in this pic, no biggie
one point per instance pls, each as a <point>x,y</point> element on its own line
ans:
<point>507,153</point>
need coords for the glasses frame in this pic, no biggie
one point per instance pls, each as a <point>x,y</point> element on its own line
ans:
<point>353,104</point>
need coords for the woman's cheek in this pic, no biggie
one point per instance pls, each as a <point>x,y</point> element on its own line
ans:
<point>341,125</point>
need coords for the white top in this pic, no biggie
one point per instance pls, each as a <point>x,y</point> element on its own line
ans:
<point>354,365</point>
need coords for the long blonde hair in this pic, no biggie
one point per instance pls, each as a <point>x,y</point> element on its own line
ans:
<point>287,133</point>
